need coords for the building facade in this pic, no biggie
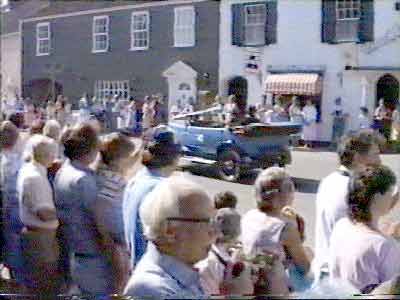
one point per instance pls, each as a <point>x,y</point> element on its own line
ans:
<point>318,49</point>
<point>11,13</point>
<point>145,47</point>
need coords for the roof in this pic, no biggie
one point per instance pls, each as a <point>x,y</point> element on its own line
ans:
<point>65,7</point>
<point>19,10</point>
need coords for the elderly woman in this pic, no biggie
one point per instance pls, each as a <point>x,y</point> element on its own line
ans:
<point>75,199</point>
<point>10,164</point>
<point>116,157</point>
<point>38,215</point>
<point>360,253</point>
<point>274,228</point>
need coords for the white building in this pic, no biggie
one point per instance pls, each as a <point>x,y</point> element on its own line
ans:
<point>352,47</point>
<point>11,13</point>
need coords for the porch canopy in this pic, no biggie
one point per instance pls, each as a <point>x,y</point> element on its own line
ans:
<point>294,83</point>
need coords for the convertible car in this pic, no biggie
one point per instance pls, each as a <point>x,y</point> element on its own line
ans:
<point>232,149</point>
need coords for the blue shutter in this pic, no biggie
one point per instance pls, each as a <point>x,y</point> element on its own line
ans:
<point>366,25</point>
<point>271,22</point>
<point>237,24</point>
<point>328,30</point>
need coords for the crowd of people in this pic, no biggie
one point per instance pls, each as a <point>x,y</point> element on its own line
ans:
<point>112,112</point>
<point>93,212</point>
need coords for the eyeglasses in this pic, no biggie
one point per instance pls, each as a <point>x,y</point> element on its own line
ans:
<point>287,186</point>
<point>209,221</point>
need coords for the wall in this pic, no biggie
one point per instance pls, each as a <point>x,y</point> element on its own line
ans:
<point>72,46</point>
<point>299,43</point>
<point>10,64</point>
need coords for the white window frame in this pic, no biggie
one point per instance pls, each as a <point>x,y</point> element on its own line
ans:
<point>352,10</point>
<point>261,24</point>
<point>178,28</point>
<point>39,39</point>
<point>104,88</point>
<point>106,34</point>
<point>133,31</point>
<point>347,27</point>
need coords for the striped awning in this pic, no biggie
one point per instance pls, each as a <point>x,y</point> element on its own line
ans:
<point>294,83</point>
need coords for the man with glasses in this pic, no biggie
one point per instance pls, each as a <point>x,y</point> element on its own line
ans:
<point>178,223</point>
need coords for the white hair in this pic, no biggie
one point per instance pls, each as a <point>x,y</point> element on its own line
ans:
<point>167,200</point>
<point>52,129</point>
<point>38,147</point>
<point>268,175</point>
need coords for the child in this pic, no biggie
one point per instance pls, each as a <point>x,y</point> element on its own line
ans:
<point>225,200</point>
<point>221,258</point>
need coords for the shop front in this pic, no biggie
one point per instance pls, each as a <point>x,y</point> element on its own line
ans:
<point>305,86</point>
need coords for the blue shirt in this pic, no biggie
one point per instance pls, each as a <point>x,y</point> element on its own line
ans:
<point>159,276</point>
<point>135,192</point>
<point>110,187</point>
<point>75,197</point>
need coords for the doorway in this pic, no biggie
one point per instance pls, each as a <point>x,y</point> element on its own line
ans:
<point>387,88</point>
<point>238,87</point>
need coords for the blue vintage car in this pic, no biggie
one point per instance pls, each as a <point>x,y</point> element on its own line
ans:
<point>233,149</point>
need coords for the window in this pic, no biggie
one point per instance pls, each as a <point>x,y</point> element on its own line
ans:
<point>43,39</point>
<point>184,27</point>
<point>347,9</point>
<point>347,15</point>
<point>255,17</point>
<point>105,88</point>
<point>140,30</point>
<point>100,34</point>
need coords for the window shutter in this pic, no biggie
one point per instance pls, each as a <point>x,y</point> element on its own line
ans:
<point>271,22</point>
<point>328,30</point>
<point>237,24</point>
<point>366,25</point>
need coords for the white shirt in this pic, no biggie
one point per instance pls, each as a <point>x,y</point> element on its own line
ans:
<point>260,232</point>
<point>331,206</point>
<point>34,193</point>
<point>310,113</point>
<point>361,256</point>
<point>363,122</point>
<point>212,270</point>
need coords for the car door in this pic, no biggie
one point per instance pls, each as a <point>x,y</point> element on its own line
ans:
<point>206,140</point>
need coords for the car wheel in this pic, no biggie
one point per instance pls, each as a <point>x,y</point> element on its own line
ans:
<point>229,165</point>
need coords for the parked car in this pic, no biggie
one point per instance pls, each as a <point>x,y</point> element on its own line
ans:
<point>232,149</point>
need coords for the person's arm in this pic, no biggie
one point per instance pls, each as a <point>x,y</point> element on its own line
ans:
<point>293,245</point>
<point>115,253</point>
<point>109,248</point>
